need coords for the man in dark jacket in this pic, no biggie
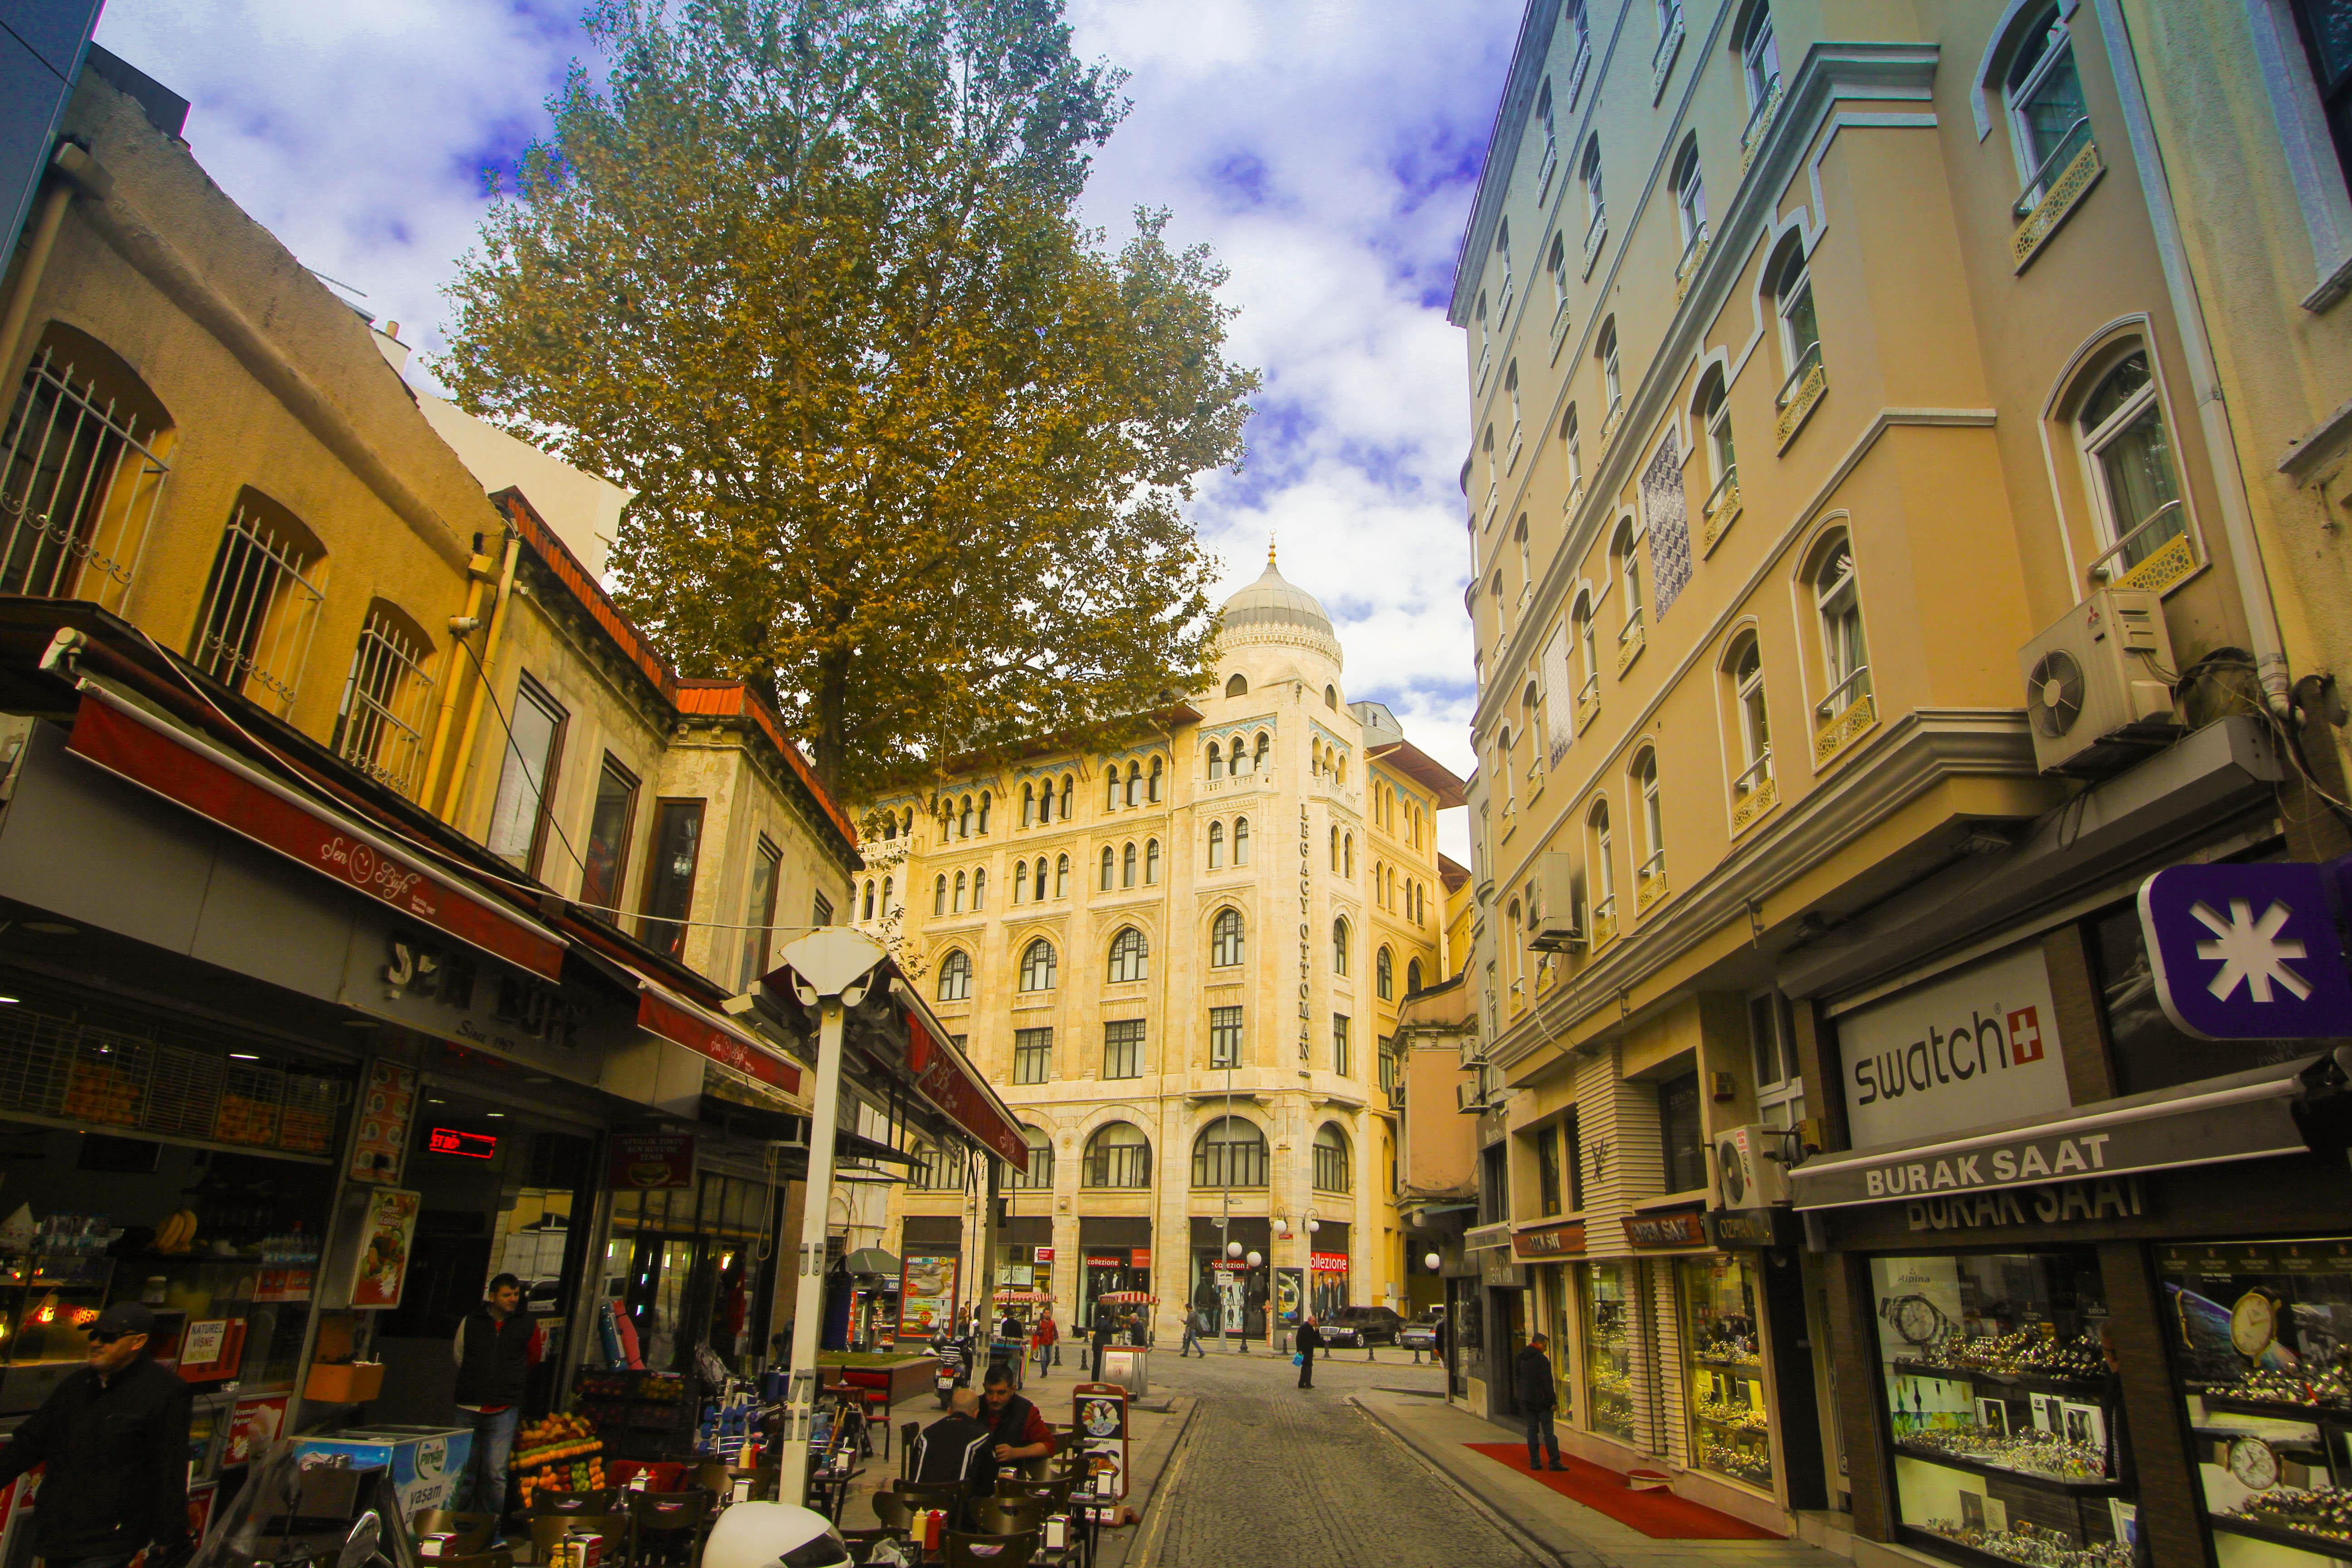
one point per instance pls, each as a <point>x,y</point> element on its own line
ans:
<point>1105,1325</point>
<point>114,1437</point>
<point>495,1348</point>
<point>1022,1437</point>
<point>1531,1380</point>
<point>1309,1342</point>
<point>956,1447</point>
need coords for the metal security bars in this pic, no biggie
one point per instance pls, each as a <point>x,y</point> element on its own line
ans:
<point>379,729</point>
<point>259,611</point>
<point>79,483</point>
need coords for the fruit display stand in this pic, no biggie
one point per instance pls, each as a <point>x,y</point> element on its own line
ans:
<point>641,1415</point>
<point>559,1453</point>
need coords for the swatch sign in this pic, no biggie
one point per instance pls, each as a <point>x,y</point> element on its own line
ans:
<point>1968,1049</point>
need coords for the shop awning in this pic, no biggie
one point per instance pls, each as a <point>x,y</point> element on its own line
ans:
<point>2247,1120</point>
<point>125,739</point>
<point>871,1260</point>
<point>682,1022</point>
<point>952,1084</point>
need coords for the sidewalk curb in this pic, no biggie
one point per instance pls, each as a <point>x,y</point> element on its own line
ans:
<point>1543,1539</point>
<point>1144,1538</point>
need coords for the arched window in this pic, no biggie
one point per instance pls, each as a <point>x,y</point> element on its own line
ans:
<point>1237,685</point>
<point>1039,893</point>
<point>1572,448</point>
<point>1800,327</point>
<point>1714,415</point>
<point>1746,670</point>
<point>1335,1169</point>
<point>1127,956</point>
<point>1135,784</point>
<point>1019,880</point>
<point>261,605</point>
<point>955,977</point>
<point>1240,841</point>
<point>984,798</point>
<point>1118,1155</point>
<point>1412,976</point>
<point>939,895</point>
<point>1339,947</point>
<point>1229,1152</point>
<point>379,727</point>
<point>885,897</point>
<point>1486,445</point>
<point>1348,857</point>
<point>1603,850</point>
<point>1110,788</point>
<point>1588,647</point>
<point>1264,746</point>
<point>1216,761</point>
<point>980,888</point>
<point>1625,561</point>
<point>1061,875</point>
<point>88,449</point>
<point>1151,862</point>
<point>1225,939</point>
<point>1127,866</point>
<point>1039,1176</point>
<point>1216,844</point>
<point>1654,825</point>
<point>960,885</point>
<point>1613,377</point>
<point>1845,655</point>
<point>1689,186</point>
<point>2048,121</point>
<point>1029,806</point>
<point>1153,792</point>
<point>1069,786</point>
<point>2135,488</point>
<point>1109,861</point>
<point>1384,974</point>
<point>1335,850</point>
<point>1037,966</point>
<point>1555,268</point>
<point>1760,64</point>
<point>964,819</point>
<point>1596,210</point>
<point>1331,698</point>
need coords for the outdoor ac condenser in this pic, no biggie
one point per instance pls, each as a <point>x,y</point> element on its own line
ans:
<point>2097,684</point>
<point>1554,928</point>
<point>1748,1171</point>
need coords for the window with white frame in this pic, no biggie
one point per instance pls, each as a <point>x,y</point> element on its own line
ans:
<point>1653,821</point>
<point>1587,648</point>
<point>1690,199</point>
<point>955,977</point>
<point>1613,381</point>
<point>2049,122</point>
<point>1602,867</point>
<point>1799,325</point>
<point>1556,264</point>
<point>1837,605</point>
<point>1715,414</point>
<point>2134,484</point>
<point>1596,210</point>
<point>1573,449</point>
<point>1626,559</point>
<point>1779,1084</point>
<point>1755,724</point>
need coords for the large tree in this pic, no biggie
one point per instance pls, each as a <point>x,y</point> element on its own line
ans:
<point>912,443</point>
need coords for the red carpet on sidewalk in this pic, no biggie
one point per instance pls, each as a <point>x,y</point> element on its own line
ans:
<point>1660,1514</point>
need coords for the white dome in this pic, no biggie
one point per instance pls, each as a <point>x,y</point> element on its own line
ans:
<point>1275,610</point>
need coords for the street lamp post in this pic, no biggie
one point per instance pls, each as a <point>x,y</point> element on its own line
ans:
<point>831,968</point>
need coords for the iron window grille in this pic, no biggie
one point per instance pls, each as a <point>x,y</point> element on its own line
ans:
<point>380,729</point>
<point>261,609</point>
<point>79,483</point>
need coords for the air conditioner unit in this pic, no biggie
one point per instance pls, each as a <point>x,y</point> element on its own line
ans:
<point>1554,927</point>
<point>1469,1097</point>
<point>1474,1050</point>
<point>1751,1169</point>
<point>2097,688</point>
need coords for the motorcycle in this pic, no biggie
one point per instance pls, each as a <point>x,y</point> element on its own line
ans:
<point>954,1369</point>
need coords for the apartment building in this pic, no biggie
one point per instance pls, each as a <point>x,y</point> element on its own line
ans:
<point>1863,615</point>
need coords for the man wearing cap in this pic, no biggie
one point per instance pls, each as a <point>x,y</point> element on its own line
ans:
<point>114,1437</point>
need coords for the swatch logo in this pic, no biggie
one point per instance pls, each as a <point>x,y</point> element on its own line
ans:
<point>1985,1044</point>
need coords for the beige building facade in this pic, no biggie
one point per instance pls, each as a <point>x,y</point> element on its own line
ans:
<point>1832,405</point>
<point>1180,961</point>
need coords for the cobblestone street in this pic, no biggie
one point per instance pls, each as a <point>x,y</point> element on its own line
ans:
<point>1271,1475</point>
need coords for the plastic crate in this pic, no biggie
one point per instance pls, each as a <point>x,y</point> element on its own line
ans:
<point>307,1123</point>
<point>250,1102</point>
<point>106,1086</point>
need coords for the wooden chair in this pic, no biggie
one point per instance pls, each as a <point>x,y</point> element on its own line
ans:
<point>1009,1516</point>
<point>1054,1493</point>
<point>474,1530</point>
<point>713,1476</point>
<point>950,1498</point>
<point>547,1529</point>
<point>896,1514</point>
<point>666,1528</point>
<point>600,1501</point>
<point>989,1550</point>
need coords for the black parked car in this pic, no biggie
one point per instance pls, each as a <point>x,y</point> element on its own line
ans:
<point>1355,1328</point>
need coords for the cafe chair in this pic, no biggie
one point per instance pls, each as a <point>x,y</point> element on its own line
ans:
<point>896,1514</point>
<point>666,1528</point>
<point>474,1532</point>
<point>950,1498</point>
<point>989,1550</point>
<point>907,1436</point>
<point>600,1501</point>
<point>1009,1516</point>
<point>547,1529</point>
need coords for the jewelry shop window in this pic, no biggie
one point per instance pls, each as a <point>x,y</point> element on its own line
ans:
<point>2262,1345</point>
<point>2005,1420</point>
<point>1608,1348</point>
<point>1731,1427</point>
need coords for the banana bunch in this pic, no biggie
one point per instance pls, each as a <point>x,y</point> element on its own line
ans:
<point>178,1233</point>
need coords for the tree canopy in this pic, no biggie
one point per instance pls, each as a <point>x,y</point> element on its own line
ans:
<point>912,443</point>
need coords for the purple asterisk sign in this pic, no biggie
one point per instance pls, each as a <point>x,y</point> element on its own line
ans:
<point>2247,952</point>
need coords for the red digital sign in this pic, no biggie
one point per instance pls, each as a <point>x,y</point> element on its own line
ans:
<point>458,1141</point>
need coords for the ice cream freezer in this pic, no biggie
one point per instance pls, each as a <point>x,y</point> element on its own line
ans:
<point>425,1462</point>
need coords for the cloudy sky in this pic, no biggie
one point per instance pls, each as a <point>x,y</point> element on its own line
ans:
<point>1326,149</point>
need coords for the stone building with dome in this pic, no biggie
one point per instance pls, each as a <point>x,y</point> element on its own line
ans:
<point>1180,961</point>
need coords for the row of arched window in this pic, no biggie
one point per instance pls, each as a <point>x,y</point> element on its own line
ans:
<point>1229,1152</point>
<point>1029,883</point>
<point>1240,841</point>
<point>948,897</point>
<point>1239,756</point>
<point>1408,896</point>
<point>1324,759</point>
<point>1130,960</point>
<point>1400,815</point>
<point>1038,800</point>
<point>1139,787</point>
<point>1124,862</point>
<point>866,906</point>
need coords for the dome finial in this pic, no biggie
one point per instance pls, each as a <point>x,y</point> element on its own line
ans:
<point>1269,549</point>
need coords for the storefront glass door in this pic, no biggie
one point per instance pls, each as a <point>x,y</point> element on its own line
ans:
<point>1608,1348</point>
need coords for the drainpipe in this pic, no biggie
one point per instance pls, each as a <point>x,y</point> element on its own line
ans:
<point>79,170</point>
<point>477,570</point>
<point>490,664</point>
<point>2212,412</point>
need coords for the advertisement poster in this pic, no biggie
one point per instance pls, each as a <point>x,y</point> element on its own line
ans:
<point>647,1162</point>
<point>927,1287</point>
<point>390,1228</point>
<point>1970,1048</point>
<point>386,1105</point>
<point>253,1427</point>
<point>1289,1295</point>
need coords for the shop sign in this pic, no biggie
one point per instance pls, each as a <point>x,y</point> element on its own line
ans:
<point>1139,1257</point>
<point>458,1142</point>
<point>1550,1241</point>
<point>1665,1230</point>
<point>946,1084</point>
<point>1105,1262</point>
<point>386,1236</point>
<point>1971,1048</point>
<point>1044,1255</point>
<point>649,1162</point>
<point>2247,952</point>
<point>1751,1228</point>
<point>1327,1262</point>
<point>2221,1260</point>
<point>452,993</point>
<point>253,1426</point>
<point>2249,1122</point>
<point>2059,1203</point>
<point>1495,1268</point>
<point>387,1101</point>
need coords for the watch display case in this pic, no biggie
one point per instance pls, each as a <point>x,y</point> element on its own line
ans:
<point>1730,1418</point>
<point>2261,1342</point>
<point>2002,1415</point>
<point>1608,1355</point>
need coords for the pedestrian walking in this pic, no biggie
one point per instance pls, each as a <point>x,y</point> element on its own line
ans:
<point>1309,1342</point>
<point>1537,1397</point>
<point>1042,1340</point>
<point>114,1437</point>
<point>495,1350</point>
<point>1192,1346</point>
<point>1105,1325</point>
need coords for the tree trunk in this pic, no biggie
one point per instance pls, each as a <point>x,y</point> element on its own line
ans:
<point>831,709</point>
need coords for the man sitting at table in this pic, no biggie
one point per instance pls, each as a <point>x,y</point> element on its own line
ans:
<point>956,1446</point>
<point>1017,1432</point>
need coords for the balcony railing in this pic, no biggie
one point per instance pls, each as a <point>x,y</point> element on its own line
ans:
<point>1582,63</point>
<point>1594,233</point>
<point>1518,442</point>
<point>1547,168</point>
<point>1486,364</point>
<point>1631,641</point>
<point>1798,394</point>
<point>1845,712</point>
<point>1649,882</point>
<point>1722,506</point>
<point>1503,302</point>
<point>1604,921</point>
<point>1575,494</point>
<point>1588,702</point>
<point>1559,317</point>
<point>1614,417</point>
<point>1694,253</point>
<point>2152,557</point>
<point>1759,798</point>
<point>1756,773</point>
<point>1661,64</point>
<point>1768,108</point>
<point>2048,196</point>
<point>1494,500</point>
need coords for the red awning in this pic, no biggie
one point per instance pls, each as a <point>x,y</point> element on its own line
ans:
<point>713,1034</point>
<point>125,739</point>
<point>948,1082</point>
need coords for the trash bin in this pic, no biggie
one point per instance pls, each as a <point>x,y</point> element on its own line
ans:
<point>1130,1366</point>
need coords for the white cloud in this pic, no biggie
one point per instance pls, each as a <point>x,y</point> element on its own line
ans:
<point>1325,150</point>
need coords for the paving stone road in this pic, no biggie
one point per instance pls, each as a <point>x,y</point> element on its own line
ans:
<point>1272,1477</point>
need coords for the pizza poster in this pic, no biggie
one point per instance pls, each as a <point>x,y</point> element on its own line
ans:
<point>927,1289</point>
<point>387,1105</point>
<point>387,1233</point>
<point>253,1427</point>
